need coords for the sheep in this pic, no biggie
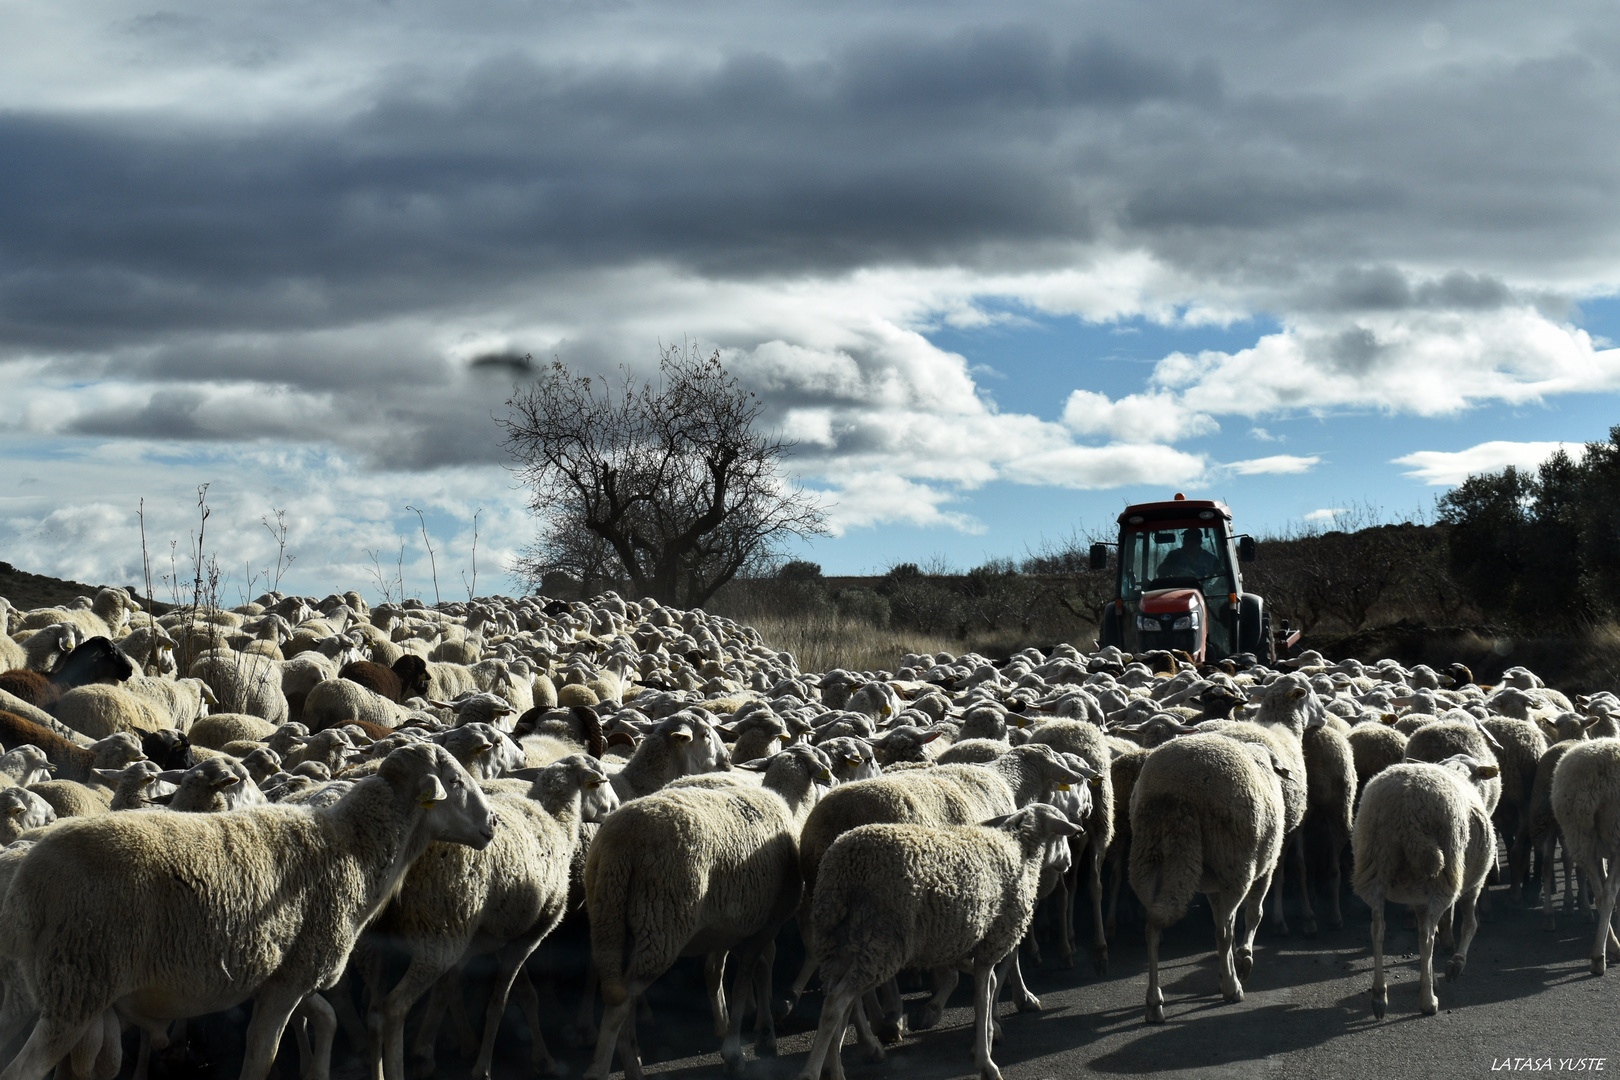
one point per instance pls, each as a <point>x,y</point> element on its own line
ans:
<point>96,661</point>
<point>73,762</point>
<point>262,904</point>
<point>407,677</point>
<point>183,701</point>
<point>579,726</point>
<point>98,711</point>
<point>680,745</point>
<point>1423,837</point>
<point>1375,747</point>
<point>728,876</point>
<point>215,731</point>
<point>72,799</point>
<point>1207,815</point>
<point>335,702</point>
<point>1586,802</point>
<point>24,765</point>
<point>1519,746</point>
<point>757,735</point>
<point>897,896</point>
<point>212,786</point>
<point>1330,799</point>
<point>1087,740</point>
<point>245,683</point>
<point>132,785</point>
<point>45,649</point>
<point>507,896</point>
<point>946,795</point>
<point>20,811</point>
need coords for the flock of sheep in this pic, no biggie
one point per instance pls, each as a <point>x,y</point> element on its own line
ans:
<point>327,810</point>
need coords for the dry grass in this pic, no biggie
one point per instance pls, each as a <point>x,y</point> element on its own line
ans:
<point>821,643</point>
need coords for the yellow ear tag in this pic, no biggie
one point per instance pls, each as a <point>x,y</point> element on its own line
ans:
<point>1063,787</point>
<point>425,801</point>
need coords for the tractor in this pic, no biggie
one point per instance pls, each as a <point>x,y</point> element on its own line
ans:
<point>1179,586</point>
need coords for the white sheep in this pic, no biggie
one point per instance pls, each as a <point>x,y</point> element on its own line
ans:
<point>260,905</point>
<point>1586,801</point>
<point>20,811</point>
<point>1207,815</point>
<point>720,863</point>
<point>892,897</point>
<point>1423,837</point>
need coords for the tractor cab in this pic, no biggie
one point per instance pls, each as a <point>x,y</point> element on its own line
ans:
<point>1179,586</point>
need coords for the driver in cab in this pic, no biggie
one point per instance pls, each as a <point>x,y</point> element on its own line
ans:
<point>1190,560</point>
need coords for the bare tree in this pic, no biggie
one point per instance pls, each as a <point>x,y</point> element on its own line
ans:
<point>666,486</point>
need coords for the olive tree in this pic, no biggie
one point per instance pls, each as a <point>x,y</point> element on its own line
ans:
<point>666,485</point>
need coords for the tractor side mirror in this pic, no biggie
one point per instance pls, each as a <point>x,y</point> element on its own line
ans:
<point>1099,556</point>
<point>1246,549</point>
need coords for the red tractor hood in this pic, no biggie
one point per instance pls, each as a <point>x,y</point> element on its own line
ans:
<point>1169,601</point>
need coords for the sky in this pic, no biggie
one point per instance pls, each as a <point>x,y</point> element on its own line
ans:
<point>998,270</point>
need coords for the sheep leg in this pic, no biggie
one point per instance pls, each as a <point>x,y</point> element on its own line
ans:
<point>749,956</point>
<point>1336,845</point>
<point>455,996</point>
<point>615,1018</point>
<point>1608,886</point>
<point>1549,881</point>
<point>829,1034</point>
<point>1155,996</point>
<point>509,963</point>
<point>764,1018</point>
<point>1224,906</point>
<point>585,1021</point>
<point>1021,997</point>
<point>540,1059</point>
<point>1428,922</point>
<point>341,998</point>
<point>1380,991</point>
<point>322,1024</point>
<point>271,1010</point>
<point>143,1056</point>
<point>1278,920</point>
<point>387,1019</point>
<point>1064,894</point>
<point>1465,935</point>
<point>1116,878</point>
<point>984,1014</point>
<point>1099,941</point>
<point>1243,959</point>
<point>945,980</point>
<point>1445,938</point>
<point>893,1025</point>
<point>870,1047</point>
<point>1296,846</point>
<point>1518,861</point>
<point>714,975</point>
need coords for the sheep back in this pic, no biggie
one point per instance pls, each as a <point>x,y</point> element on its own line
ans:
<point>1443,739</point>
<point>1421,833</point>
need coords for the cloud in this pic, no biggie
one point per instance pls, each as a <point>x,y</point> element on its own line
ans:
<point>1278,464</point>
<point>1156,417</point>
<point>1329,514</point>
<point>1448,468</point>
<point>878,498</point>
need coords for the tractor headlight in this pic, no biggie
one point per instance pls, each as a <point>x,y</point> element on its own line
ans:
<point>1188,621</point>
<point>1146,622</point>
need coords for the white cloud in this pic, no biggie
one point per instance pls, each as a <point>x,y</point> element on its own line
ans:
<point>1278,464</point>
<point>1140,418</point>
<point>1328,514</point>
<point>877,499</point>
<point>1447,468</point>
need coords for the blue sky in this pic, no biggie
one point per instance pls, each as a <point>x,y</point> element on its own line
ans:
<point>998,269</point>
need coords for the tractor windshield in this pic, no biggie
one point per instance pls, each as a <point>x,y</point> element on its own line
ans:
<point>1169,558</point>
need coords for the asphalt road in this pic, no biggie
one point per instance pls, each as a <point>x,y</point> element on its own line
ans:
<point>1526,994</point>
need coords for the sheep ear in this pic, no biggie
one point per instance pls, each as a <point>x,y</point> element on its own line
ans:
<point>1297,692</point>
<point>109,775</point>
<point>995,822</point>
<point>1280,769</point>
<point>757,765</point>
<point>230,780</point>
<point>681,735</point>
<point>1388,718</point>
<point>430,792</point>
<point>1485,772</point>
<point>530,774</point>
<point>170,776</point>
<point>931,736</point>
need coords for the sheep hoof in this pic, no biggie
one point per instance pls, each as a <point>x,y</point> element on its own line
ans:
<point>1029,1003</point>
<point>1280,927</point>
<point>1309,928</point>
<point>765,1046</point>
<point>1244,963</point>
<point>995,1031</point>
<point>1234,995</point>
<point>1599,963</point>
<point>890,1029</point>
<point>1099,960</point>
<point>1155,1014</point>
<point>783,1009</point>
<point>1455,968</point>
<point>547,1066</point>
<point>927,1017</point>
<point>1066,960</point>
<point>1549,923</point>
<point>990,1072</point>
<point>1380,1006</point>
<point>873,1054</point>
<point>1336,922</point>
<point>1429,1008</point>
